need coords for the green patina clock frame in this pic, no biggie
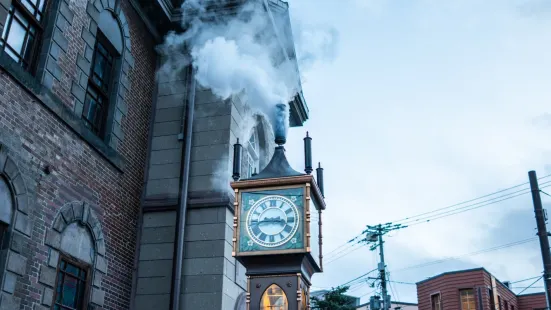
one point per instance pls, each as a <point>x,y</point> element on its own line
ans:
<point>310,191</point>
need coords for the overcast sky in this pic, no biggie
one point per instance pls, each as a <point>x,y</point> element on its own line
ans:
<point>429,103</point>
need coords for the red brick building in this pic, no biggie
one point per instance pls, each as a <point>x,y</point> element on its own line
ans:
<point>473,289</point>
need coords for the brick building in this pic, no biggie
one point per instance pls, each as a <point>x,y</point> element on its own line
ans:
<point>473,289</point>
<point>96,154</point>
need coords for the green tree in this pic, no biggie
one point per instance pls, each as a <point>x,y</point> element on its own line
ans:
<point>335,299</point>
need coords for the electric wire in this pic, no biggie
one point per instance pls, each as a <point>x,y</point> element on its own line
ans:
<point>495,248</point>
<point>345,254</point>
<point>545,193</point>
<point>410,218</point>
<point>439,216</point>
<point>523,280</point>
<point>518,281</point>
<point>530,285</point>
<point>355,279</point>
<point>392,289</point>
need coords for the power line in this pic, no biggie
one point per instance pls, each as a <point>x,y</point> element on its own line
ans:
<point>410,218</point>
<point>530,285</point>
<point>363,275</point>
<point>495,248</point>
<point>465,209</point>
<point>532,278</point>
<point>339,257</point>
<point>545,193</point>
<point>471,200</point>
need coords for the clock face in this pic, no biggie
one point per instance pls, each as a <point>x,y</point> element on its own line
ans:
<point>272,221</point>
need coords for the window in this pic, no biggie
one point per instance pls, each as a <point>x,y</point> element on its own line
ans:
<point>274,298</point>
<point>252,155</point>
<point>22,30</point>
<point>498,302</point>
<point>505,305</point>
<point>99,83</point>
<point>6,209</point>
<point>467,299</point>
<point>436,302</point>
<point>71,285</point>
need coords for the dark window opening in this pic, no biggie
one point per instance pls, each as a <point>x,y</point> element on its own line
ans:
<point>3,235</point>
<point>505,305</point>
<point>436,302</point>
<point>492,300</point>
<point>71,285</point>
<point>22,30</point>
<point>96,102</point>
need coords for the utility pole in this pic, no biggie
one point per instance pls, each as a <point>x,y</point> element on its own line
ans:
<point>542,234</point>
<point>374,234</point>
<point>382,267</point>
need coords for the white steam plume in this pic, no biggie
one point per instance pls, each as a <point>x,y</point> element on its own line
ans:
<point>241,54</point>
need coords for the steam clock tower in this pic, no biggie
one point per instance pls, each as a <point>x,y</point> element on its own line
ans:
<point>277,230</point>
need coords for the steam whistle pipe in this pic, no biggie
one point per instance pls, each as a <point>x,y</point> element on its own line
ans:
<point>237,149</point>
<point>280,130</point>
<point>308,154</point>
<point>319,172</point>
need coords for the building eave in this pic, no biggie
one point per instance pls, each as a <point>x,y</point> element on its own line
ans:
<point>450,273</point>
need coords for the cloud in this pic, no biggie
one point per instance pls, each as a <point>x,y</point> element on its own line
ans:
<point>426,106</point>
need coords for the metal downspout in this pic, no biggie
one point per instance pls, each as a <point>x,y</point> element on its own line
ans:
<point>184,181</point>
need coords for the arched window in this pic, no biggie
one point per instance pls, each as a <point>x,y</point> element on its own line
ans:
<point>274,298</point>
<point>6,209</point>
<point>103,72</point>
<point>74,267</point>
<point>253,154</point>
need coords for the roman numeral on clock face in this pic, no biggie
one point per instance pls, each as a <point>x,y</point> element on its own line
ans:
<point>287,228</point>
<point>263,237</point>
<point>256,230</point>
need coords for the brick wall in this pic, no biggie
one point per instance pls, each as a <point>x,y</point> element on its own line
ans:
<point>532,301</point>
<point>449,284</point>
<point>34,137</point>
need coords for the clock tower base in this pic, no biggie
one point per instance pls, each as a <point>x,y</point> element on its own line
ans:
<point>291,292</point>
<point>286,278</point>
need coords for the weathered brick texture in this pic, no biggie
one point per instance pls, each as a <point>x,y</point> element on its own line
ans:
<point>35,137</point>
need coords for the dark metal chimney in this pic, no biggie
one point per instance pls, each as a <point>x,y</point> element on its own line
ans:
<point>237,149</point>
<point>319,172</point>
<point>308,154</point>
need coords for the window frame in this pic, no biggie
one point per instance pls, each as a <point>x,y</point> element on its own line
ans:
<point>253,154</point>
<point>88,283</point>
<point>105,95</point>
<point>38,25</point>
<point>473,295</point>
<point>439,296</point>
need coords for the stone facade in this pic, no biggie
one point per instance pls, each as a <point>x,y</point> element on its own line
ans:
<point>110,201</point>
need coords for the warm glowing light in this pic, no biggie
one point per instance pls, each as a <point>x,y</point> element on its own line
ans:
<point>304,300</point>
<point>274,299</point>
